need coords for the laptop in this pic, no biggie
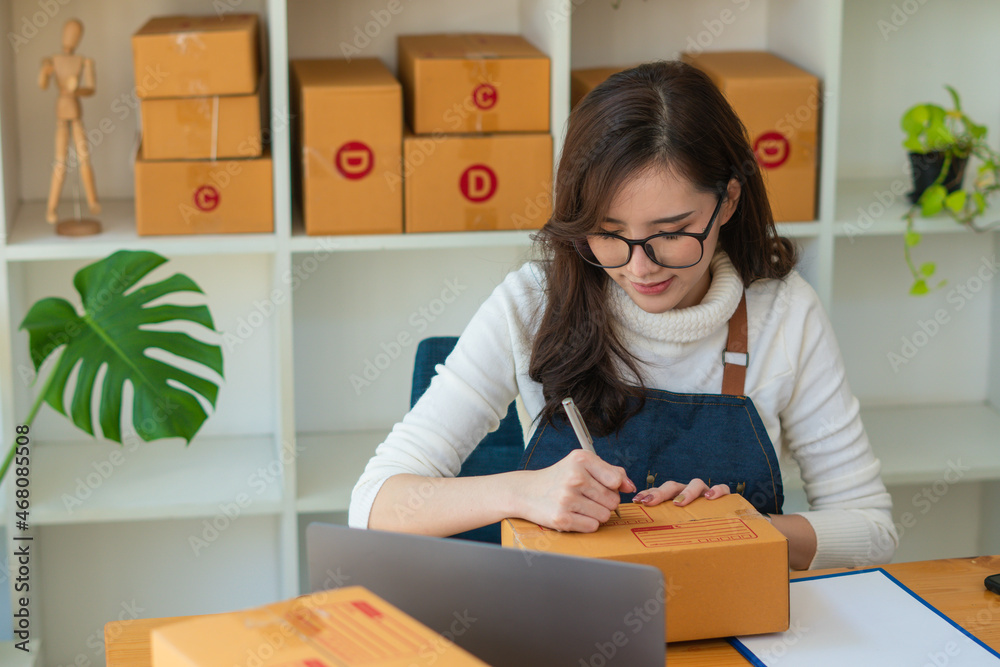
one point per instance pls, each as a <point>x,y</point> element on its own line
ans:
<point>505,606</point>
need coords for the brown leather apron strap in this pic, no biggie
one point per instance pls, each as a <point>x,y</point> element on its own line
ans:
<point>735,357</point>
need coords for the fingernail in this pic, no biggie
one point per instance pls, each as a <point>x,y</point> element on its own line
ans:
<point>708,494</point>
<point>679,499</point>
<point>639,498</point>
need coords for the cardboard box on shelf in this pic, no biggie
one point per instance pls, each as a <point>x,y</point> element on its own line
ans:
<point>347,626</point>
<point>582,81</point>
<point>203,196</point>
<point>779,104</point>
<point>193,128</point>
<point>725,567</point>
<point>474,83</point>
<point>349,137</point>
<point>474,182</point>
<point>196,56</point>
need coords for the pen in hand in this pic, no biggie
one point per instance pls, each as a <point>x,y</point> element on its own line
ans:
<point>580,428</point>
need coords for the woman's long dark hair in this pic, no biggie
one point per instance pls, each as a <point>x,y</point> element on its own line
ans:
<point>666,114</point>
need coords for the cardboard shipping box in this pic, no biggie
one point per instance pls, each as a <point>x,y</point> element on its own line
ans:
<point>780,105</point>
<point>724,565</point>
<point>192,56</point>
<point>347,626</point>
<point>474,83</point>
<point>349,137</point>
<point>582,81</point>
<point>475,182</point>
<point>193,128</point>
<point>203,196</point>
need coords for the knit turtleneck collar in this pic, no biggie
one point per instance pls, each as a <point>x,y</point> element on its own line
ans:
<point>684,325</point>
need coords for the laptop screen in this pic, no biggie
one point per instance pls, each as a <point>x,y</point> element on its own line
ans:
<point>505,606</point>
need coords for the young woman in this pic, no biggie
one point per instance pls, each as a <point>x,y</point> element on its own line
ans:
<point>667,307</point>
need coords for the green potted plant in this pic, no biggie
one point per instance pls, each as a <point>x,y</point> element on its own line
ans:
<point>112,333</point>
<point>941,143</point>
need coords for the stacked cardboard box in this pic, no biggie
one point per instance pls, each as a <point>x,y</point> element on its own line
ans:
<point>477,154</point>
<point>779,104</point>
<point>347,626</point>
<point>201,167</point>
<point>349,136</point>
<point>718,558</point>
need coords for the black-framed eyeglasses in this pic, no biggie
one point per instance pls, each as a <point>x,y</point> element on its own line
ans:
<point>672,250</point>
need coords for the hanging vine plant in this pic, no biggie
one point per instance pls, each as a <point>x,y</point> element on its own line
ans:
<point>110,334</point>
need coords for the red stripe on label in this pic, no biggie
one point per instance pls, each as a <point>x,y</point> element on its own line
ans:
<point>367,608</point>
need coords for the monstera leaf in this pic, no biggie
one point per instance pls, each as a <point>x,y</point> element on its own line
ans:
<point>110,333</point>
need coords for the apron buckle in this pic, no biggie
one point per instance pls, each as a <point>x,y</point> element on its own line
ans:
<point>738,358</point>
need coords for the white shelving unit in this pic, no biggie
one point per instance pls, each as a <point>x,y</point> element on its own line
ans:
<point>310,326</point>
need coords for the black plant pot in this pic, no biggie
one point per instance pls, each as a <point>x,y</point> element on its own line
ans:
<point>927,166</point>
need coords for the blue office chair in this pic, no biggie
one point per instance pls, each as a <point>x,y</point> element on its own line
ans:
<point>499,451</point>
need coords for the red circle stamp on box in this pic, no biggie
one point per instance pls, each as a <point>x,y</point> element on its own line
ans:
<point>206,198</point>
<point>478,183</point>
<point>484,96</point>
<point>772,150</point>
<point>354,160</point>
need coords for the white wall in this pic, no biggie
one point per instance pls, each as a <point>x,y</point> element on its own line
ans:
<point>364,302</point>
<point>883,65</point>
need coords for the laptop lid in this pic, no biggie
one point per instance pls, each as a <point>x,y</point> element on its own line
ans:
<point>505,606</point>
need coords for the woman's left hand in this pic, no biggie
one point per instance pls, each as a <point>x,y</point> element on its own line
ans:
<point>681,494</point>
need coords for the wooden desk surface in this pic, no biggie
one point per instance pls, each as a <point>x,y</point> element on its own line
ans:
<point>952,585</point>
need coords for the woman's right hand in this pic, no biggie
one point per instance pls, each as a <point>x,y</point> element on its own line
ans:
<point>578,493</point>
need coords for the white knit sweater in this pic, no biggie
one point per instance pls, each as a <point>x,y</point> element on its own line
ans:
<point>795,378</point>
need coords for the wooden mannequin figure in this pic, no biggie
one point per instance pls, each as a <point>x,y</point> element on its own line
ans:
<point>75,78</point>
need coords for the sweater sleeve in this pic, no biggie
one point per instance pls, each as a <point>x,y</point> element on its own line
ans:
<point>850,509</point>
<point>465,401</point>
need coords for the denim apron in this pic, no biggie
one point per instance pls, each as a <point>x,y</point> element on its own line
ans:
<point>677,437</point>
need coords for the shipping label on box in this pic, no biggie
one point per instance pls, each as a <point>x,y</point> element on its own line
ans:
<point>779,104</point>
<point>203,196</point>
<point>725,565</point>
<point>477,182</point>
<point>474,83</point>
<point>349,137</point>
<point>193,128</point>
<point>196,56</point>
<point>344,627</point>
